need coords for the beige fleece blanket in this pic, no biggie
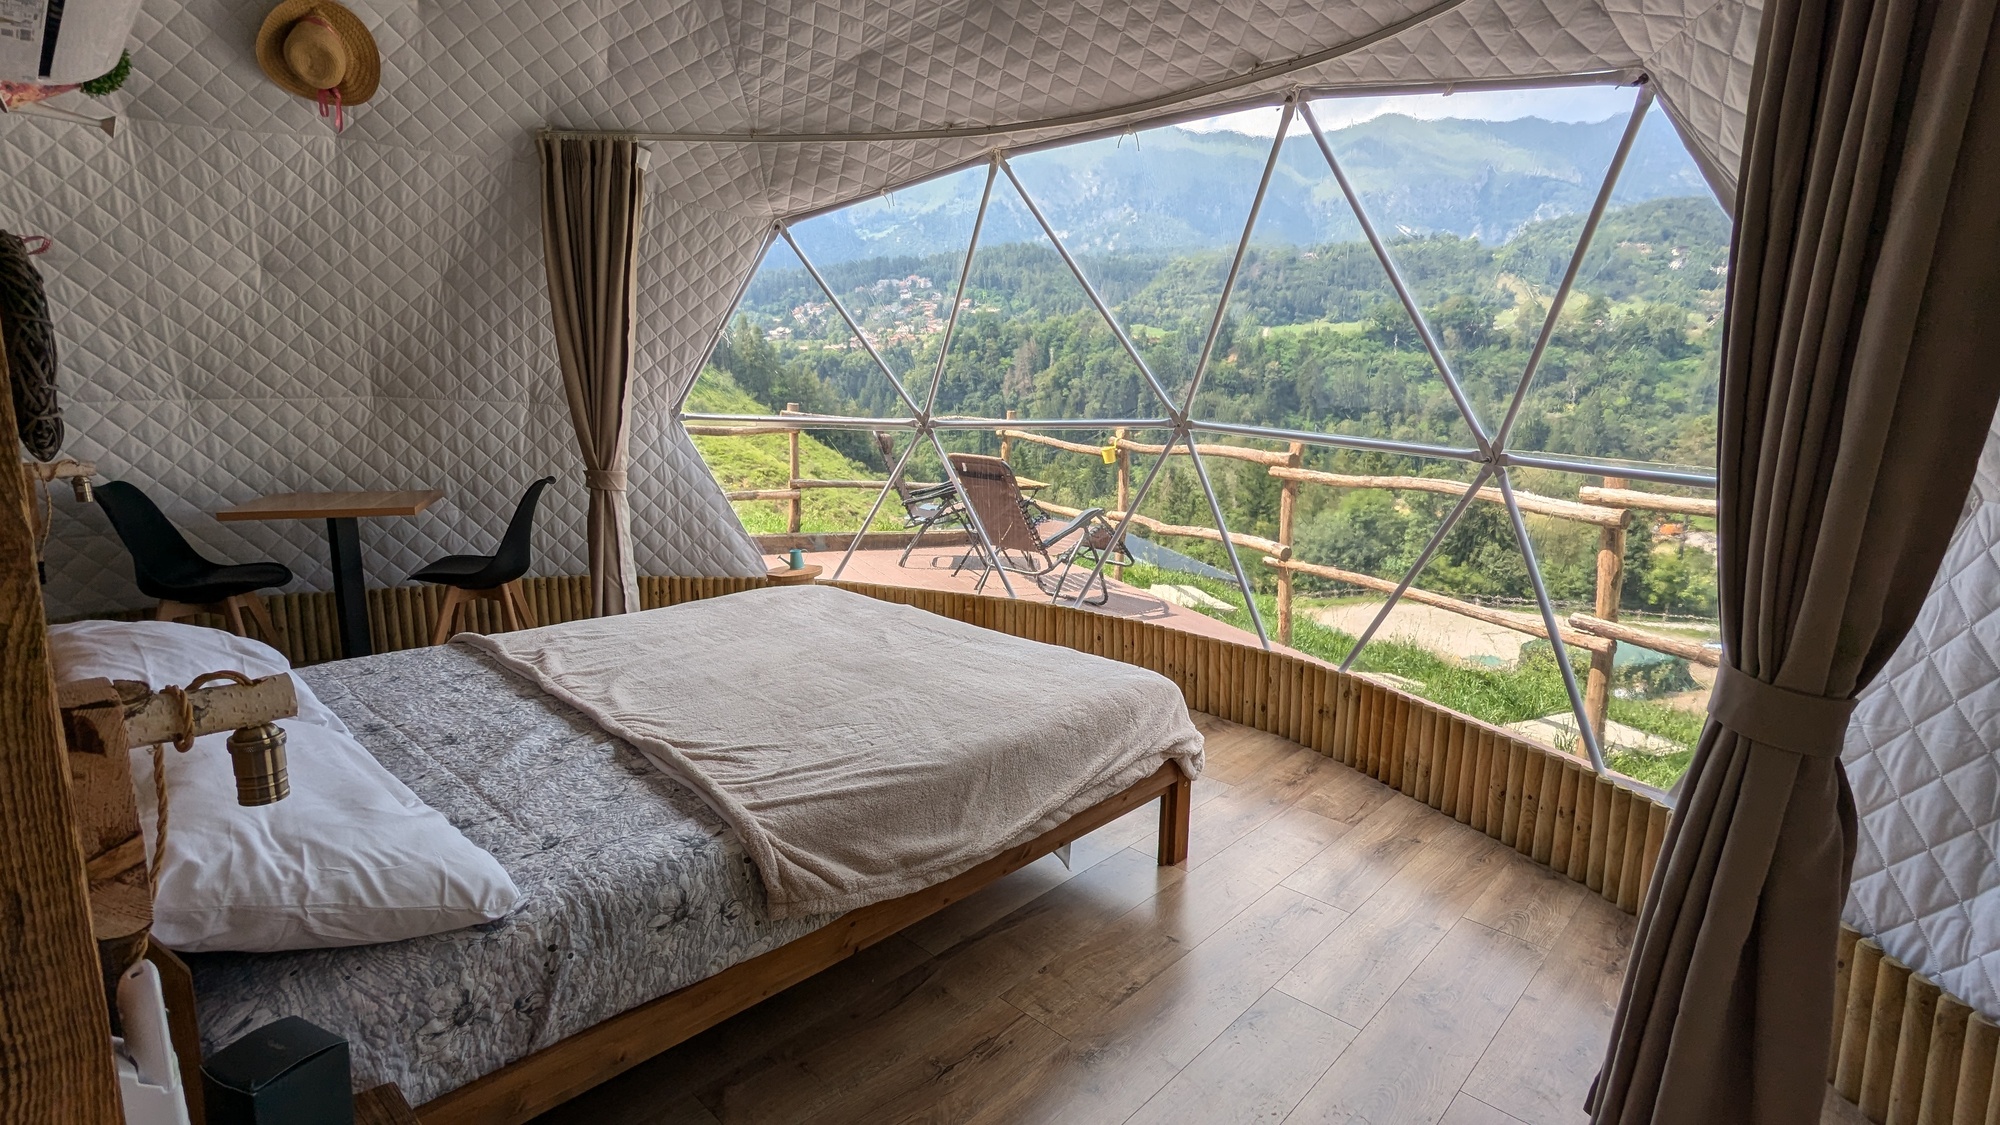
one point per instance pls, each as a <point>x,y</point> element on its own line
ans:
<point>862,750</point>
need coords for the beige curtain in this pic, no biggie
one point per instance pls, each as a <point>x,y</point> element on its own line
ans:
<point>592,194</point>
<point>1859,372</point>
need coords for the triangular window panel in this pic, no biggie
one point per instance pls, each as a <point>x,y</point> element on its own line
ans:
<point>1155,217</point>
<point>1317,337</point>
<point>1360,543</point>
<point>788,342</point>
<point>786,345</point>
<point>1450,182</point>
<point>1029,339</point>
<point>894,262</point>
<point>1631,372</point>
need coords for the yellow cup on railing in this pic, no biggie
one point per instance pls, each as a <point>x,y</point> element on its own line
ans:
<point>1110,454</point>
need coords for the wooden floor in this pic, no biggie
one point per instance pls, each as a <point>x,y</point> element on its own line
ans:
<point>1331,952</point>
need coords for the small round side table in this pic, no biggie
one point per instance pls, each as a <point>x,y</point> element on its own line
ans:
<point>786,576</point>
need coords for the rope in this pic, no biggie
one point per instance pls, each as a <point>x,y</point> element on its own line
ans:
<point>159,818</point>
<point>183,742</point>
<point>44,474</point>
<point>48,521</point>
<point>30,342</point>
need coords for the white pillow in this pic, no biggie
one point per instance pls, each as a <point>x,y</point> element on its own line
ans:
<point>351,857</point>
<point>159,653</point>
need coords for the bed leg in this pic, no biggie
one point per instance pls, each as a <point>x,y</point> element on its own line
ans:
<point>1174,806</point>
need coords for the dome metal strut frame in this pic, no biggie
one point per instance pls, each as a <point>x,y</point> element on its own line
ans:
<point>1489,453</point>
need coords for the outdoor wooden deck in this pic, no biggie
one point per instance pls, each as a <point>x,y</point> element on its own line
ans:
<point>930,569</point>
<point>1332,951</point>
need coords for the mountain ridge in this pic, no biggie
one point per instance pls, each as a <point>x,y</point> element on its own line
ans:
<point>1178,189</point>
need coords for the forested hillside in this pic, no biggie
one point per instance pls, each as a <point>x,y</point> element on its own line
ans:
<point>1314,339</point>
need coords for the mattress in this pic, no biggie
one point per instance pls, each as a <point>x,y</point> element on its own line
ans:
<point>631,886</point>
<point>860,750</point>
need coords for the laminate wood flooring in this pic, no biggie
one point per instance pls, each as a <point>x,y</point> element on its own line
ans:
<point>1331,952</point>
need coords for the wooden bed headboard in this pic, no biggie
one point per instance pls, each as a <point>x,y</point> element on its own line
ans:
<point>55,1026</point>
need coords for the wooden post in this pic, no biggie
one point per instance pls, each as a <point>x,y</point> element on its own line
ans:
<point>1006,443</point>
<point>1610,590</point>
<point>796,513</point>
<point>55,1031</point>
<point>1123,459</point>
<point>1288,506</point>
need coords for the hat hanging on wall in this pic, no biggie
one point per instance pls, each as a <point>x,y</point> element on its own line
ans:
<point>318,49</point>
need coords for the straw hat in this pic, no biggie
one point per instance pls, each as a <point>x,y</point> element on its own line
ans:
<point>318,49</point>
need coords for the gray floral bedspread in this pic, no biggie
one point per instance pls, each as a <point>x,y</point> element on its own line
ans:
<point>631,886</point>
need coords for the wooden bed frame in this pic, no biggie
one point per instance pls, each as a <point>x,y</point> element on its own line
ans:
<point>56,1064</point>
<point>524,1088</point>
<point>553,1075</point>
<point>519,1091</point>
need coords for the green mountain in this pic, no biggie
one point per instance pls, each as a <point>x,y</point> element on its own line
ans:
<point>1175,189</point>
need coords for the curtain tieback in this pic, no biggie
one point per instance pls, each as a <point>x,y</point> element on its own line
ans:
<point>605,480</point>
<point>1812,725</point>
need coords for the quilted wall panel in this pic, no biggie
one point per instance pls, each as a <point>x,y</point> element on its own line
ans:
<point>249,303</point>
<point>1923,756</point>
<point>1701,54</point>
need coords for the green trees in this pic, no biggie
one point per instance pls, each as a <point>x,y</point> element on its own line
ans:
<point>1315,340</point>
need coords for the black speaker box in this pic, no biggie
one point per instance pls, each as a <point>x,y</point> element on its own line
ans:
<point>284,1073</point>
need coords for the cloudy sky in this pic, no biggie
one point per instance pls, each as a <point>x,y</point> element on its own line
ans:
<point>1582,103</point>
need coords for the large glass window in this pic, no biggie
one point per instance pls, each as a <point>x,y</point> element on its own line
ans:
<point>1441,369</point>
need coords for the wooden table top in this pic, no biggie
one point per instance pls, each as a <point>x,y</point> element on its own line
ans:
<point>331,505</point>
<point>784,575</point>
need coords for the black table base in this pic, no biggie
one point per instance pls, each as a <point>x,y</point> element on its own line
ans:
<point>350,595</point>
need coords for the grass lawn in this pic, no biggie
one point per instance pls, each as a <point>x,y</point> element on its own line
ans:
<point>741,463</point>
<point>1499,696</point>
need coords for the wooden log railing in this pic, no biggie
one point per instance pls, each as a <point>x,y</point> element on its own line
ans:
<point>1184,531</point>
<point>1608,508</point>
<point>871,485</point>
<point>1121,442</point>
<point>1531,627</point>
<point>1691,651</point>
<point>1647,501</point>
<point>1530,502</point>
<point>753,430</point>
<point>793,493</point>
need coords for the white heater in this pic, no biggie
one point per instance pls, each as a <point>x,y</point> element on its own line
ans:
<point>63,41</point>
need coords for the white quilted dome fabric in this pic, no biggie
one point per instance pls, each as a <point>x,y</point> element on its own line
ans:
<point>1923,755</point>
<point>247,302</point>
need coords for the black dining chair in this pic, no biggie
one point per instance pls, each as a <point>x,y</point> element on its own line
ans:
<point>495,577</point>
<point>171,570</point>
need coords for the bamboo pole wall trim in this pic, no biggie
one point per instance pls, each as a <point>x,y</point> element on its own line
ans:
<point>1906,1052</point>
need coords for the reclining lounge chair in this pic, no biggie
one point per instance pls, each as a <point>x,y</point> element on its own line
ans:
<point>1014,524</point>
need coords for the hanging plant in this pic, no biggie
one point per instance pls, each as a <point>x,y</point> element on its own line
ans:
<point>111,79</point>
